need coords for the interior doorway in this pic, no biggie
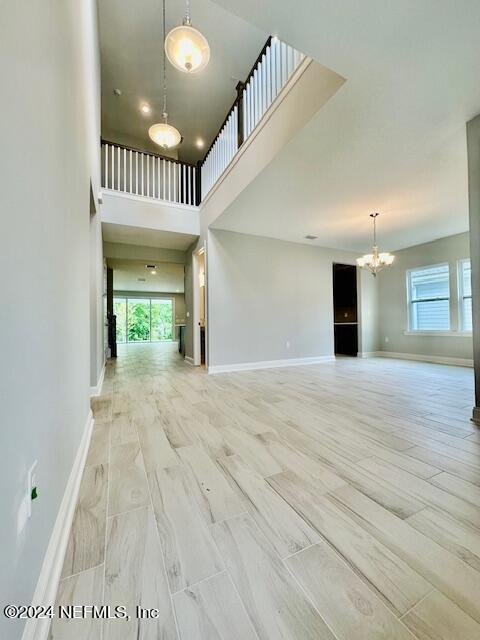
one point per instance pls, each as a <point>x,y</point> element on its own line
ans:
<point>345,309</point>
<point>199,308</point>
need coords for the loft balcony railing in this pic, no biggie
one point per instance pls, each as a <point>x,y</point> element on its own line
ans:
<point>270,73</point>
<point>147,174</point>
<point>154,176</point>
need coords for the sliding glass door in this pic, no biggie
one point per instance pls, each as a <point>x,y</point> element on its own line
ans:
<point>120,310</point>
<point>144,319</point>
<point>138,320</point>
<point>161,320</point>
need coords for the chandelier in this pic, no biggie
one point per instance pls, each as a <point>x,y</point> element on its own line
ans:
<point>186,48</point>
<point>375,261</point>
<point>163,133</point>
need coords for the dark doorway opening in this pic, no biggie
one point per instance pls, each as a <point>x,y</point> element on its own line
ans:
<point>345,309</point>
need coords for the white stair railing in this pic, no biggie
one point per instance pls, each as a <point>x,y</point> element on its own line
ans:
<point>221,152</point>
<point>269,75</point>
<point>146,174</point>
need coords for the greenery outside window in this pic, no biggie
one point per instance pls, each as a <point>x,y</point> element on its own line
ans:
<point>144,319</point>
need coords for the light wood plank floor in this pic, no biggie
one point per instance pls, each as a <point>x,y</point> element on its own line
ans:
<point>334,501</point>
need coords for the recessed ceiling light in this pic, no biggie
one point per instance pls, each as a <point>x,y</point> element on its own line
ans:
<point>310,237</point>
<point>153,272</point>
<point>145,108</point>
<point>200,143</point>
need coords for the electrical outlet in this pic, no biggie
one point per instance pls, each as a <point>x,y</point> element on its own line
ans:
<point>387,339</point>
<point>31,486</point>
<point>287,344</point>
<point>25,509</point>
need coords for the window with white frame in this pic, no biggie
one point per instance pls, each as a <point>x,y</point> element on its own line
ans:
<point>429,298</point>
<point>465,294</point>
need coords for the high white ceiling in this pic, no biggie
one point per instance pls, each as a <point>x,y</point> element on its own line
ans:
<point>392,139</point>
<point>131,57</point>
<point>132,275</point>
<point>143,237</point>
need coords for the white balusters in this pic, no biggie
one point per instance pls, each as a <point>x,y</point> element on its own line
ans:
<point>221,153</point>
<point>136,172</point>
<point>148,175</point>
<point>194,180</point>
<point>164,179</point>
<point>130,172</point>
<point>276,66</point>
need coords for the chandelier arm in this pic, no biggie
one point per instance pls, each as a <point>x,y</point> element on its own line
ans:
<point>187,20</point>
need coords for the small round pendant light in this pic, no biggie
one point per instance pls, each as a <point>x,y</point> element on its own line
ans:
<point>163,133</point>
<point>187,48</point>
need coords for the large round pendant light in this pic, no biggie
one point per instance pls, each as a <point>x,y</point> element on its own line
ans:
<point>186,48</point>
<point>163,133</point>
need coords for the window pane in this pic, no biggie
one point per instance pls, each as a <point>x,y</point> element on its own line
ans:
<point>162,320</point>
<point>430,283</point>
<point>465,295</point>
<point>432,316</point>
<point>430,299</point>
<point>467,278</point>
<point>466,314</point>
<point>120,310</point>
<point>138,320</point>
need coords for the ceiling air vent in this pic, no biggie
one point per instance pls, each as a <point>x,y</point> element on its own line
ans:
<point>310,237</point>
<point>142,279</point>
<point>151,266</point>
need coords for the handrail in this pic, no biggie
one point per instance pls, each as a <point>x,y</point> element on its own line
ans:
<point>259,59</point>
<point>151,175</point>
<point>239,88</point>
<point>270,73</point>
<point>150,153</point>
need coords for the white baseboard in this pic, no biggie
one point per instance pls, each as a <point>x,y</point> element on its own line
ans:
<point>47,584</point>
<point>459,362</point>
<point>189,360</point>
<point>97,389</point>
<point>269,364</point>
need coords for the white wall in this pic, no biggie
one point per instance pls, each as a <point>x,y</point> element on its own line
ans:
<point>135,252</point>
<point>137,211</point>
<point>97,320</point>
<point>393,314</point>
<point>263,293</point>
<point>368,312</point>
<point>46,166</point>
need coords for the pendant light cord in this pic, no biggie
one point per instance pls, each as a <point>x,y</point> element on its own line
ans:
<point>186,20</point>
<point>374,216</point>
<point>165,114</point>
